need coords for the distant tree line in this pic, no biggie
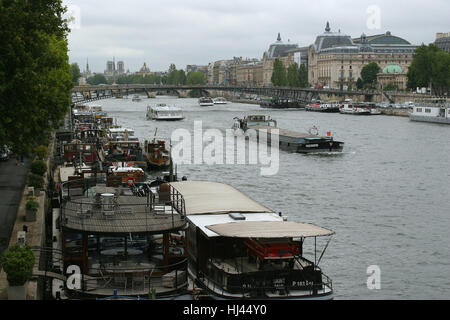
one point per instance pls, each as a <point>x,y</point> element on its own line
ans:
<point>173,77</point>
<point>293,76</point>
<point>35,74</point>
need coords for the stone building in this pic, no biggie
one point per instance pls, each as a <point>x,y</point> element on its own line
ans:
<point>278,50</point>
<point>393,75</point>
<point>443,41</point>
<point>249,74</point>
<point>336,60</point>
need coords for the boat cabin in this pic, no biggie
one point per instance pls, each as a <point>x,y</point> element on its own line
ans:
<point>77,150</point>
<point>239,249</point>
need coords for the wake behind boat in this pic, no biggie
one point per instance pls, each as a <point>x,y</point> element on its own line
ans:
<point>292,141</point>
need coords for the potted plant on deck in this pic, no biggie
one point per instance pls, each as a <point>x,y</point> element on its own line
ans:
<point>18,263</point>
<point>31,208</point>
<point>37,182</point>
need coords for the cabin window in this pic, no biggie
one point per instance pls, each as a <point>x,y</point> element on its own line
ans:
<point>427,110</point>
<point>418,109</point>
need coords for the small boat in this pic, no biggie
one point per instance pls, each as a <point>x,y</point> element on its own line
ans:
<point>164,112</point>
<point>292,141</point>
<point>136,98</point>
<point>157,153</point>
<point>128,173</point>
<point>436,111</point>
<point>220,100</point>
<point>319,106</point>
<point>205,102</point>
<point>349,107</point>
<point>240,249</point>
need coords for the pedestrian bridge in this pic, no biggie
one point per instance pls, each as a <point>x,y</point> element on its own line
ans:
<point>305,95</point>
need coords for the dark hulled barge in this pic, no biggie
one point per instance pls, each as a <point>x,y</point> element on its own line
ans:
<point>288,140</point>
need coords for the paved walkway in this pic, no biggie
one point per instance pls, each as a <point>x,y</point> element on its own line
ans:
<point>12,182</point>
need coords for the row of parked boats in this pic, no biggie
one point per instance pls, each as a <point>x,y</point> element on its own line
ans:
<point>347,107</point>
<point>136,236</point>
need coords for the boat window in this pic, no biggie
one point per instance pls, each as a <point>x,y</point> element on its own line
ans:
<point>427,110</point>
<point>418,109</point>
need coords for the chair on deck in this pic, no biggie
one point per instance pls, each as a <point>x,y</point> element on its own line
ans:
<point>139,279</point>
<point>120,279</point>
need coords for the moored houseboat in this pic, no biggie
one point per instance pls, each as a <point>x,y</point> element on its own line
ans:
<point>350,107</point>
<point>239,249</point>
<point>319,106</point>
<point>436,111</point>
<point>123,244</point>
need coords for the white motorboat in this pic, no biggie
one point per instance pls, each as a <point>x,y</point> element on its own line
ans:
<point>205,102</point>
<point>164,112</point>
<point>220,100</point>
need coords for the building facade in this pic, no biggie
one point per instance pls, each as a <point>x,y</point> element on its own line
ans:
<point>393,77</point>
<point>443,41</point>
<point>335,59</point>
<point>279,50</point>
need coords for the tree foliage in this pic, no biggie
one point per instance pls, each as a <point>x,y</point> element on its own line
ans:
<point>18,263</point>
<point>279,76</point>
<point>430,67</point>
<point>303,76</point>
<point>35,78</point>
<point>195,77</point>
<point>75,72</point>
<point>369,74</point>
<point>97,79</point>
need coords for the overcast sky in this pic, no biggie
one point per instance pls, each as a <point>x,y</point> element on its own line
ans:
<point>201,31</point>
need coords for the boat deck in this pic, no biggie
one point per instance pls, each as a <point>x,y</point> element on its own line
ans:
<point>288,133</point>
<point>131,214</point>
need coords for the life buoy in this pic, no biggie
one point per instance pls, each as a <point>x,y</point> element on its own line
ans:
<point>131,181</point>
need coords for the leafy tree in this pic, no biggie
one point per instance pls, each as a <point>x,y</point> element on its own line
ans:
<point>369,74</point>
<point>279,77</point>
<point>180,77</point>
<point>303,76</point>
<point>292,75</point>
<point>75,72</point>
<point>359,84</point>
<point>35,78</point>
<point>430,68</point>
<point>172,74</point>
<point>97,79</point>
<point>195,77</point>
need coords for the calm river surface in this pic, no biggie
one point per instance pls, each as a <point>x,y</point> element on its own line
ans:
<point>386,196</point>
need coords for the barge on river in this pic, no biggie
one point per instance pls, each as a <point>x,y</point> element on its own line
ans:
<point>239,249</point>
<point>291,141</point>
<point>434,111</point>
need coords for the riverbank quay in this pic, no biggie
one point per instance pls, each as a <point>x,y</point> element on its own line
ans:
<point>35,231</point>
<point>403,112</point>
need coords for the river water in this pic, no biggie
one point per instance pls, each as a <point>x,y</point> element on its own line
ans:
<point>386,196</point>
